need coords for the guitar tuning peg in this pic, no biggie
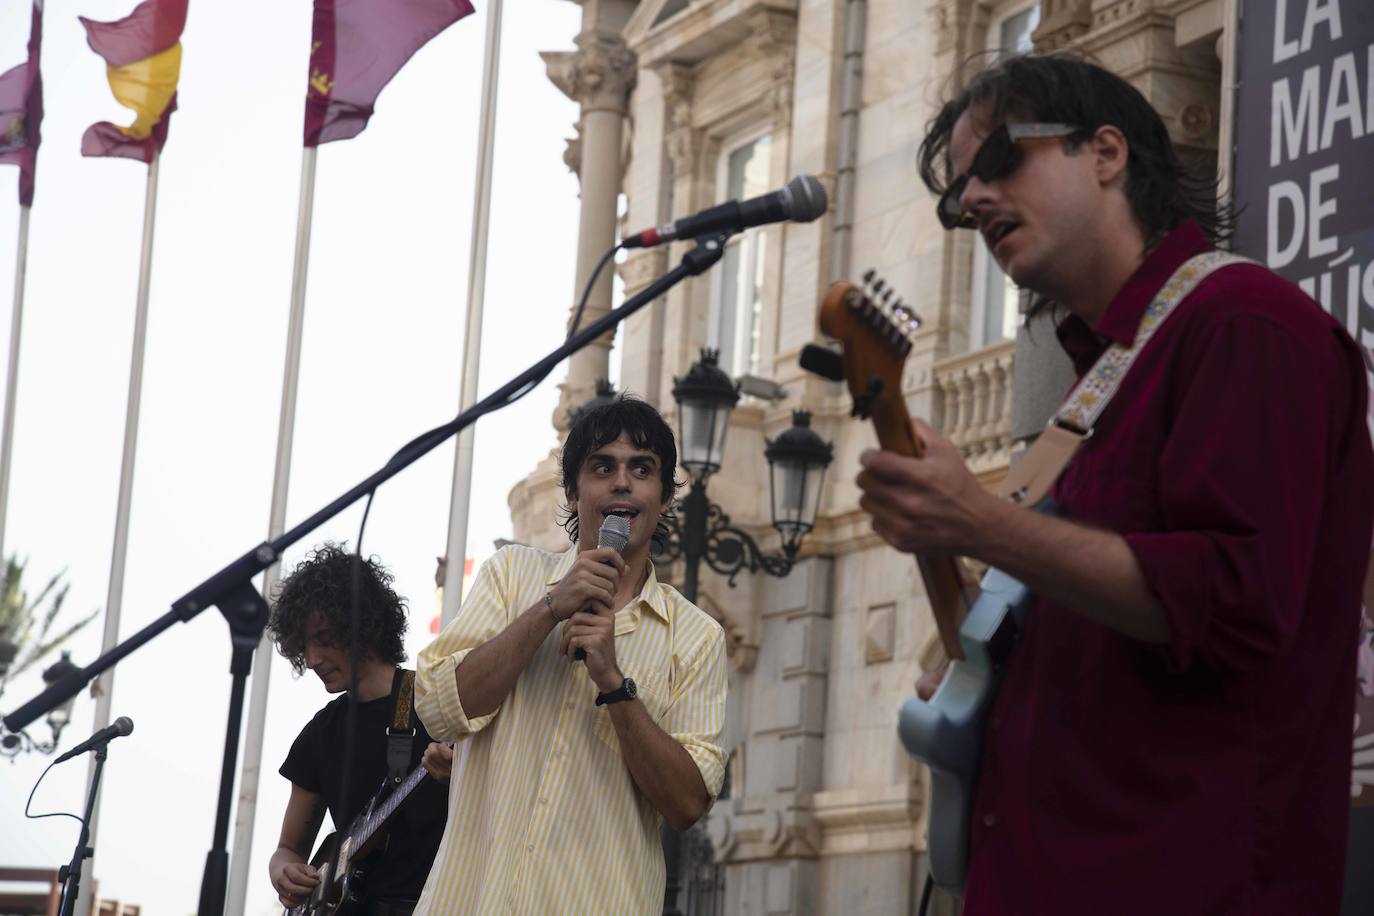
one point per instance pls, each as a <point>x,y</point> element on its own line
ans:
<point>887,295</point>
<point>878,286</point>
<point>868,275</point>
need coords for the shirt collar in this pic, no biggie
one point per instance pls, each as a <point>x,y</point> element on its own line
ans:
<point>1121,320</point>
<point>651,594</point>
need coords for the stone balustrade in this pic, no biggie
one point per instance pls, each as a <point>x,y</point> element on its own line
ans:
<point>974,398</point>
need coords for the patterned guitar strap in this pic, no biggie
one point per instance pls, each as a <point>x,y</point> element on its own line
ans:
<point>400,734</point>
<point>1031,478</point>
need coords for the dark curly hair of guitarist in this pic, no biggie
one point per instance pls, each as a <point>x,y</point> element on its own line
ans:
<point>323,584</point>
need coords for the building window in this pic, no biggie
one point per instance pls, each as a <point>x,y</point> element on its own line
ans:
<point>737,298</point>
<point>996,299</point>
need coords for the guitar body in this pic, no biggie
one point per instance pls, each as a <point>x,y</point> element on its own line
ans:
<point>340,890</point>
<point>946,732</point>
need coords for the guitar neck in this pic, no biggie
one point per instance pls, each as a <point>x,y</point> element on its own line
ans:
<point>940,575</point>
<point>383,812</point>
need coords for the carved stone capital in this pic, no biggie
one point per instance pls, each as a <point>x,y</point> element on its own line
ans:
<point>678,81</point>
<point>598,75</point>
<point>773,38</point>
<point>1062,22</point>
<point>684,147</point>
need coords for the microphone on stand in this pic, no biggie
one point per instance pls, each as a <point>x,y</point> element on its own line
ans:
<point>614,533</point>
<point>118,729</point>
<point>802,200</point>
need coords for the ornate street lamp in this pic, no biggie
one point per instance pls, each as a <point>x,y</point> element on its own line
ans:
<point>13,744</point>
<point>797,460</point>
<point>705,397</point>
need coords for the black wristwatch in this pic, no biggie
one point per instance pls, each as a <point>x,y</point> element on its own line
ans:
<point>626,691</point>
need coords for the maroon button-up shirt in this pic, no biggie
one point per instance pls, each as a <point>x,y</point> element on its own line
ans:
<point>1210,776</point>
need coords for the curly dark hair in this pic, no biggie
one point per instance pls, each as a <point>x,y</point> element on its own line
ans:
<point>603,423</point>
<point>322,584</point>
<point>1162,189</point>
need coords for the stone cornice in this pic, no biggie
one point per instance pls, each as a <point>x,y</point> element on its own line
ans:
<point>870,818</point>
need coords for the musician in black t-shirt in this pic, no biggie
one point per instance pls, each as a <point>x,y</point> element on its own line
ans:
<point>310,625</point>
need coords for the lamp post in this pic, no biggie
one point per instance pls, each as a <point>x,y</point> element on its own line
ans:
<point>11,745</point>
<point>700,530</point>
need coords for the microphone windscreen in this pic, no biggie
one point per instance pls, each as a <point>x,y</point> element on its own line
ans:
<point>125,725</point>
<point>614,533</point>
<point>808,198</point>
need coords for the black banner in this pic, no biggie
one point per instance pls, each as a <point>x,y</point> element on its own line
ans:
<point>1304,150</point>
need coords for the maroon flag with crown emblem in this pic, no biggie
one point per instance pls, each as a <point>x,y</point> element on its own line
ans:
<point>21,111</point>
<point>142,55</point>
<point>356,47</point>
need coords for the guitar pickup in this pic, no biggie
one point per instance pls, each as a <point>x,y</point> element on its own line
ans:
<point>823,361</point>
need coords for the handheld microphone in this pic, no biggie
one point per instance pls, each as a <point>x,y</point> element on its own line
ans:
<point>614,533</point>
<point>120,727</point>
<point>801,201</point>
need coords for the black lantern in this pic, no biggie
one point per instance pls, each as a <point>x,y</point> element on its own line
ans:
<point>14,743</point>
<point>705,397</point>
<point>61,714</point>
<point>797,460</point>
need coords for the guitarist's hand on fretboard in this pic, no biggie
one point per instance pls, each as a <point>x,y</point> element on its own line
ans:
<point>438,761</point>
<point>931,505</point>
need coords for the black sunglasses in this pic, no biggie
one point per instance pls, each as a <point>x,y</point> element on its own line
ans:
<point>997,158</point>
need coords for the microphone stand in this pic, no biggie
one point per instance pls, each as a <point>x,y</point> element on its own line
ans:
<point>243,607</point>
<point>70,875</point>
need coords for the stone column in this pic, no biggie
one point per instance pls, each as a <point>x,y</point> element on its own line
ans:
<point>599,75</point>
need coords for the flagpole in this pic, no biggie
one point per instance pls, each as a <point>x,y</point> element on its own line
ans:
<point>104,686</point>
<point>281,479</point>
<point>472,340</point>
<point>21,260</point>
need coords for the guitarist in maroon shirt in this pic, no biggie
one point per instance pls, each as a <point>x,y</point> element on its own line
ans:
<point>1173,730</point>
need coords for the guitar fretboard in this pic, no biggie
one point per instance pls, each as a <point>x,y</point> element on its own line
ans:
<point>388,807</point>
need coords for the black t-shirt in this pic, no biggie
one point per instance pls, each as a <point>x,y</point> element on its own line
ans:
<point>315,763</point>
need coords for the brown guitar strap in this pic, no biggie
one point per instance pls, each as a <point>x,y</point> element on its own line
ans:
<point>400,734</point>
<point>1031,478</point>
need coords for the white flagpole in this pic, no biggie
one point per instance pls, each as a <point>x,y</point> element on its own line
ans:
<point>472,340</point>
<point>12,376</point>
<point>104,685</point>
<point>281,479</point>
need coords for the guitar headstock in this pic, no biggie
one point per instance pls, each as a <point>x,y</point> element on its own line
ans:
<point>877,330</point>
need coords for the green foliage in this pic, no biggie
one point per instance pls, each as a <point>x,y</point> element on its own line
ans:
<point>26,623</point>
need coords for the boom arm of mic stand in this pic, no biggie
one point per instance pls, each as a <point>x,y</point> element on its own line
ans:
<point>229,588</point>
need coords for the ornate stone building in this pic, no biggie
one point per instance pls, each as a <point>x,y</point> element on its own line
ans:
<point>686,103</point>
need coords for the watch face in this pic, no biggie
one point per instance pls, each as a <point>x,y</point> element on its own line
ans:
<point>630,689</point>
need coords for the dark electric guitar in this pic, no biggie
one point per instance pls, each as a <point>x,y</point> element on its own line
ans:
<point>877,332</point>
<point>340,860</point>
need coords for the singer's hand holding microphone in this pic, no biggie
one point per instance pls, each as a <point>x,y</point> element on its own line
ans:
<point>585,601</point>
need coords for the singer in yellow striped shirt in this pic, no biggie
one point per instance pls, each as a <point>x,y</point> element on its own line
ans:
<point>565,769</point>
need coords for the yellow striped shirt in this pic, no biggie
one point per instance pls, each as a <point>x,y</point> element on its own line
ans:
<point>543,815</point>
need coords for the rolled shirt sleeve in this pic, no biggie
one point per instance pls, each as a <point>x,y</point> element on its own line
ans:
<point>1241,493</point>
<point>483,616</point>
<point>696,714</point>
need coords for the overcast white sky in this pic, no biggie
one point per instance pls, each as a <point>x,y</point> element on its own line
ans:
<point>382,353</point>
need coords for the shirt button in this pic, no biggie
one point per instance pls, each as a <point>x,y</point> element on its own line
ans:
<point>988,821</point>
<point>543,801</point>
<point>530,847</point>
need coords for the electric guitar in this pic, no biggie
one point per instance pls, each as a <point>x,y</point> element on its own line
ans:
<point>877,331</point>
<point>338,859</point>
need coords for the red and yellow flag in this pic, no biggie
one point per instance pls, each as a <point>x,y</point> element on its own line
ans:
<point>21,111</point>
<point>142,55</point>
